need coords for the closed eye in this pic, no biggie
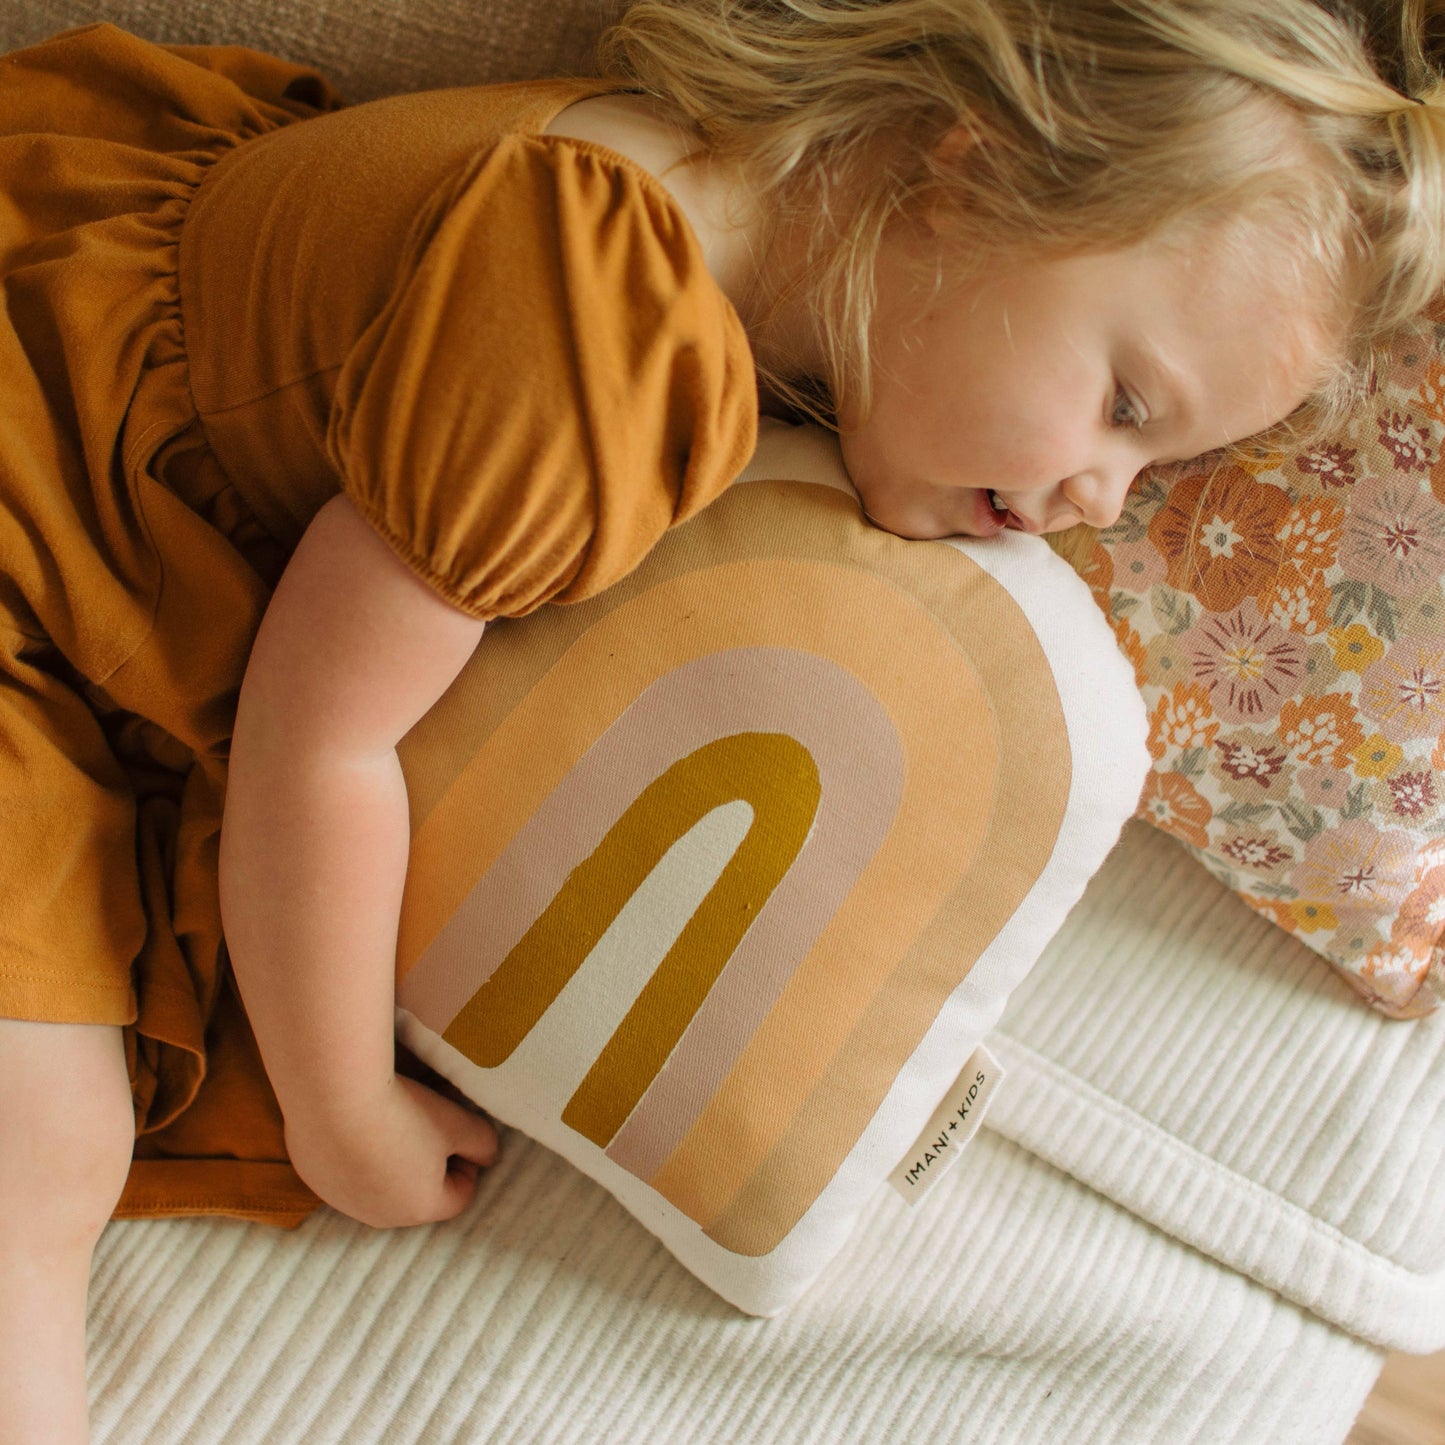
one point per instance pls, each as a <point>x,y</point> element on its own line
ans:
<point>1126,412</point>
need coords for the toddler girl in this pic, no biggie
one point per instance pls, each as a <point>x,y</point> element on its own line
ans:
<point>305,394</point>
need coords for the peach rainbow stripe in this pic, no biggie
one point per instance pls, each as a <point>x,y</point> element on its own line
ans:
<point>944,806</point>
<point>792,605</point>
<point>860,766</point>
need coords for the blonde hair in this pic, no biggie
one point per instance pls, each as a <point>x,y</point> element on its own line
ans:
<point>1090,125</point>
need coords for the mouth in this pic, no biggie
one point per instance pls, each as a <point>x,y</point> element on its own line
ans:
<point>1008,518</point>
<point>989,516</point>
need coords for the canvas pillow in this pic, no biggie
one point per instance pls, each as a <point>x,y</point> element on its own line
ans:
<point>718,879</point>
<point>1286,621</point>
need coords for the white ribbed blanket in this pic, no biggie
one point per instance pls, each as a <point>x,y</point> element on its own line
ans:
<point>1274,1155</point>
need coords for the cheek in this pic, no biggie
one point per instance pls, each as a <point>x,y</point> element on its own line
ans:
<point>918,432</point>
<point>956,424</point>
<point>866,460</point>
<point>1023,456</point>
<point>905,443</point>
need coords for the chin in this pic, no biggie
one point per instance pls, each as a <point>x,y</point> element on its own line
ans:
<point>912,529</point>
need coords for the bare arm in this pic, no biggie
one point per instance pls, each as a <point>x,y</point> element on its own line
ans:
<point>352,651</point>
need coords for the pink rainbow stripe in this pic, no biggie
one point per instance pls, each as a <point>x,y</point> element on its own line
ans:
<point>860,764</point>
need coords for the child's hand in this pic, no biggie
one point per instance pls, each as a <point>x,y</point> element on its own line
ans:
<point>402,1156</point>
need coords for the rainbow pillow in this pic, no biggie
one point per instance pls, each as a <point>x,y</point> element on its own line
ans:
<point>717,880</point>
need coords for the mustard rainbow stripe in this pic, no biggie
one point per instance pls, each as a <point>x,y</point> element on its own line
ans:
<point>853,748</point>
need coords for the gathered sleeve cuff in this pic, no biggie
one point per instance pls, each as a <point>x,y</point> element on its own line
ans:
<point>555,381</point>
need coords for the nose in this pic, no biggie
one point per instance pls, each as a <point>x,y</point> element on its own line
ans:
<point>1098,496</point>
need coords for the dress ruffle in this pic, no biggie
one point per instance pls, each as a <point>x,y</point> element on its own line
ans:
<point>127,562</point>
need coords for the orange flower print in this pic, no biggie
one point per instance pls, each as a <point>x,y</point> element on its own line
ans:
<point>1431,395</point>
<point>1298,601</point>
<point>1395,972</point>
<point>1422,615</point>
<point>1404,692</point>
<point>1244,760</point>
<point>1321,674</point>
<point>1098,572</point>
<point>1256,459</point>
<point>1357,940</point>
<point>1181,719</point>
<point>1165,660</point>
<point>1219,533</point>
<point>1437,480</point>
<point>1376,757</point>
<point>1405,363</point>
<point>1421,917</point>
<point>1325,787</point>
<point>1320,729</point>
<point>1137,565</point>
<point>1175,805</point>
<point>1391,977</point>
<point>1311,534</point>
<point>1279,913</point>
<point>1252,766</point>
<point>1394,538</point>
<point>1356,647</point>
<point>1356,869</point>
<point>1249,664</point>
<point>1310,916</point>
<point>1132,646</point>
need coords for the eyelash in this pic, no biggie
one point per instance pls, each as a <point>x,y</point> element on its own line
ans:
<point>1133,417</point>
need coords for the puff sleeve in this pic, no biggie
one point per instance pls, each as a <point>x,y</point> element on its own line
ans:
<point>555,380</point>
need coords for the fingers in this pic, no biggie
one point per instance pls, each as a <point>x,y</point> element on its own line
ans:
<point>474,1148</point>
<point>410,1157</point>
<point>459,1187</point>
<point>463,1131</point>
<point>472,1145</point>
<point>475,1139</point>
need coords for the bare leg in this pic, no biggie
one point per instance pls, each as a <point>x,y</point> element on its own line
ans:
<point>66,1133</point>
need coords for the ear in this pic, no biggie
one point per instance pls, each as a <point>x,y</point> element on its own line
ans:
<point>956,142</point>
<point>948,155</point>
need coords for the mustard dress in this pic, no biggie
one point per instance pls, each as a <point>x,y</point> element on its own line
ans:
<point>228,297</point>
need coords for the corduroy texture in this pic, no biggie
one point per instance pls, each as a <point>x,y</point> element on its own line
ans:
<point>1187,1061</point>
<point>548,1317</point>
<point>1012,1304</point>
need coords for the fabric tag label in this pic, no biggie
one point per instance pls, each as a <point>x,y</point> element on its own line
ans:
<point>953,1124</point>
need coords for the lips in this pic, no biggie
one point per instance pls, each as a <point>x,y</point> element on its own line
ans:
<point>987,522</point>
<point>1010,518</point>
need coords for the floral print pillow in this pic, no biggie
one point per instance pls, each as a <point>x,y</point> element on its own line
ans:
<point>1286,620</point>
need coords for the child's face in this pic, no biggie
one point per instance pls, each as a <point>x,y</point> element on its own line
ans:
<point>1051,385</point>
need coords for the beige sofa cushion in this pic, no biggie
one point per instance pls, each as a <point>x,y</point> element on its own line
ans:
<point>365,47</point>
